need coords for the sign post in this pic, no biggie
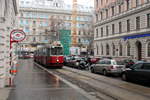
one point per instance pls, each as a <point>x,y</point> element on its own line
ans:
<point>15,37</point>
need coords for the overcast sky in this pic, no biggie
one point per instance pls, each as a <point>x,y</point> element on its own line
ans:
<point>85,2</point>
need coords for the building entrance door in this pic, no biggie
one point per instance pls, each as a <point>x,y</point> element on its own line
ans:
<point>139,50</point>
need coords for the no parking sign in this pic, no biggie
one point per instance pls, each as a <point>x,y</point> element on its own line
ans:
<point>17,35</point>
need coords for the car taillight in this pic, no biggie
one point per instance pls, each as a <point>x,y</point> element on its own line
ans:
<point>112,67</point>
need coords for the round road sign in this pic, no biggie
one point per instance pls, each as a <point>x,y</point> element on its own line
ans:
<point>17,35</point>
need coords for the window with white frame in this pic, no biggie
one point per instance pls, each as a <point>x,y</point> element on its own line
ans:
<point>102,49</point>
<point>148,49</point>
<point>128,49</point>
<point>120,49</point>
<point>107,49</point>
<point>97,49</point>
<point>113,49</point>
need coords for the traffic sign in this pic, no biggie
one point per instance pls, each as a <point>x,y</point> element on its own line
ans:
<point>17,35</point>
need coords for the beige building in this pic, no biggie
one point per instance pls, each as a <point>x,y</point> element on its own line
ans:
<point>8,22</point>
<point>122,29</point>
<point>37,16</point>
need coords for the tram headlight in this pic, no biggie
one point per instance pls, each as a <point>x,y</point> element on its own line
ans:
<point>57,60</point>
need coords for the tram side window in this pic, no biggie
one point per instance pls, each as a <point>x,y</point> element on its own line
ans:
<point>48,52</point>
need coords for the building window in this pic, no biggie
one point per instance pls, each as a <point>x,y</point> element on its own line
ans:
<point>120,27</point>
<point>107,49</point>
<point>112,10</point>
<point>107,31</point>
<point>114,50</point>
<point>137,2</point>
<point>34,22</point>
<point>101,32</point>
<point>102,50</point>
<point>113,29</point>
<point>97,3</point>
<point>34,30</point>
<point>148,20</point>
<point>101,15</point>
<point>137,23</point>
<point>101,2</point>
<point>97,32</point>
<point>21,14</point>
<point>79,40</point>
<point>79,33</point>
<point>148,50</point>
<point>97,49</point>
<point>27,29</point>
<point>96,17</point>
<point>56,4</point>
<point>34,39</point>
<point>128,4</point>
<point>119,7</point>
<point>120,49</point>
<point>128,25</point>
<point>106,13</point>
<point>128,49</point>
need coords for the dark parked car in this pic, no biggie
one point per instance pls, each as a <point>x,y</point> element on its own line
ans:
<point>129,62</point>
<point>67,60</point>
<point>137,72</point>
<point>73,61</point>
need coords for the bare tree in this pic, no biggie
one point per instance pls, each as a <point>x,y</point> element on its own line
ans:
<point>55,25</point>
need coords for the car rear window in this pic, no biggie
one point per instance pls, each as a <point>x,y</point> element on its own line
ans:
<point>118,63</point>
<point>146,66</point>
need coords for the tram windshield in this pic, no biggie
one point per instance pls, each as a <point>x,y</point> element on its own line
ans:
<point>57,51</point>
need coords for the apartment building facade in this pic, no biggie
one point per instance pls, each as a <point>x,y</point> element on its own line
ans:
<point>122,29</point>
<point>36,17</point>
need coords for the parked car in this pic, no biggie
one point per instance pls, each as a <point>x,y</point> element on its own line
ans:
<point>92,60</point>
<point>84,63</point>
<point>74,61</point>
<point>67,60</point>
<point>129,62</point>
<point>108,66</point>
<point>138,72</point>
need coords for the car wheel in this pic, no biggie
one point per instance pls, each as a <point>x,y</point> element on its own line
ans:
<point>92,70</point>
<point>124,77</point>
<point>105,72</point>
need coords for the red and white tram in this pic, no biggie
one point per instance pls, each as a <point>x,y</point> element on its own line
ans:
<point>50,55</point>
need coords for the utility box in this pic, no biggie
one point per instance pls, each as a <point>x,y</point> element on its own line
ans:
<point>65,39</point>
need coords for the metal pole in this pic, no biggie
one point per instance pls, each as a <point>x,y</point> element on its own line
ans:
<point>10,79</point>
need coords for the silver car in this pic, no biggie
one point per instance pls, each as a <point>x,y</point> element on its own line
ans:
<point>108,66</point>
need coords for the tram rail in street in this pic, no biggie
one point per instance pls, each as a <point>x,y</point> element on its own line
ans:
<point>101,87</point>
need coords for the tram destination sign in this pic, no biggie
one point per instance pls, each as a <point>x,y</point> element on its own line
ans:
<point>17,35</point>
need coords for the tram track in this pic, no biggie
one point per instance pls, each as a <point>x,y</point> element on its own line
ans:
<point>110,83</point>
<point>99,94</point>
<point>98,87</point>
<point>126,91</point>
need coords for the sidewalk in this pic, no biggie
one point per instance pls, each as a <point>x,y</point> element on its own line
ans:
<point>4,93</point>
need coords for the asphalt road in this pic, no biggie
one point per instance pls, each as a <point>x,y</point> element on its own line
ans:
<point>32,83</point>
